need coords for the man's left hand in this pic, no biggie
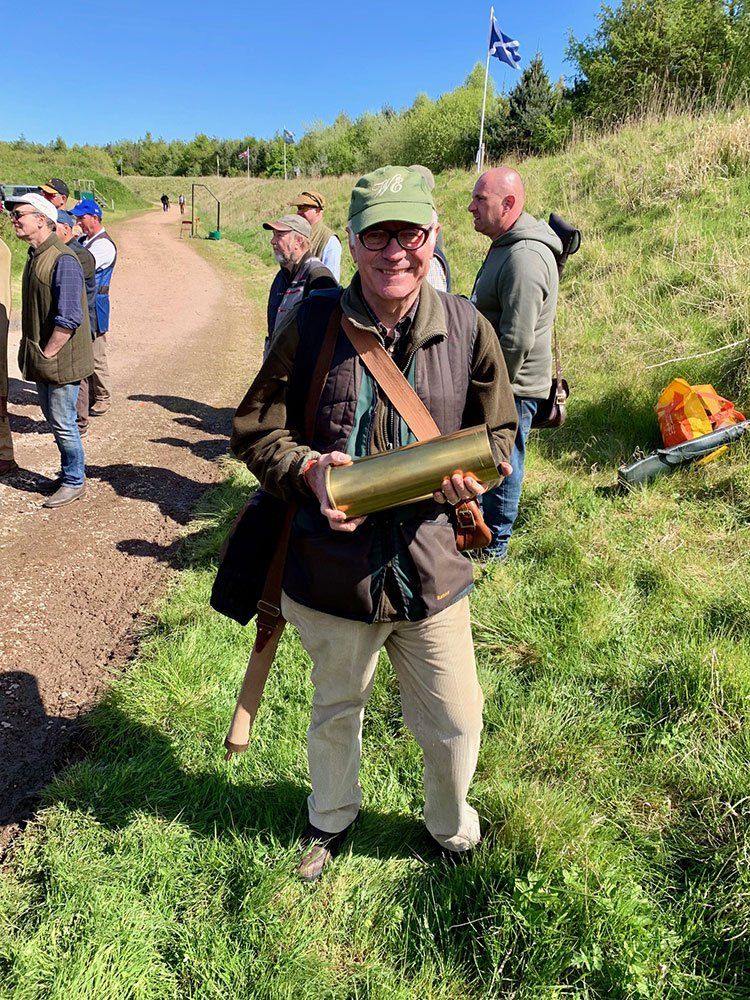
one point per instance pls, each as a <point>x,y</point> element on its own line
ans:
<point>457,488</point>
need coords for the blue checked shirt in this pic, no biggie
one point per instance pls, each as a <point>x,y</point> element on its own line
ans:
<point>67,291</point>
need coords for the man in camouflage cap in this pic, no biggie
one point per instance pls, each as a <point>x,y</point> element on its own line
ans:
<point>395,579</point>
<point>324,243</point>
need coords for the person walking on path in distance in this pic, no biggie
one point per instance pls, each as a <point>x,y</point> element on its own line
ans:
<point>516,289</point>
<point>300,272</point>
<point>55,350</point>
<point>181,203</point>
<point>165,202</point>
<point>395,579</point>
<point>97,240</point>
<point>7,458</point>
<point>324,243</point>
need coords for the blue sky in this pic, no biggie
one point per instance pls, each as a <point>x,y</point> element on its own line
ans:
<point>172,69</point>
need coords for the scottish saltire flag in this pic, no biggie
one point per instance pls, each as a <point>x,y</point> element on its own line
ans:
<point>288,137</point>
<point>503,48</point>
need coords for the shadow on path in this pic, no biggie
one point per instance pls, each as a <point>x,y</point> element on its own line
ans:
<point>174,494</point>
<point>33,745</point>
<point>211,419</point>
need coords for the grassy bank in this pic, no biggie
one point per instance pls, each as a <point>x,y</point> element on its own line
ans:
<point>22,166</point>
<point>614,652</point>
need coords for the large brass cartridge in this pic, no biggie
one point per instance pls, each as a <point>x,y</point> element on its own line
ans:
<point>406,475</point>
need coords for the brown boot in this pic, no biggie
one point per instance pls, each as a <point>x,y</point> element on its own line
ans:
<point>7,465</point>
<point>322,848</point>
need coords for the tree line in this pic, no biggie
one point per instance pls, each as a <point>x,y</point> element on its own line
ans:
<point>644,55</point>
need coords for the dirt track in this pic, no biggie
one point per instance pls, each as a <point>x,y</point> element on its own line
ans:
<point>74,580</point>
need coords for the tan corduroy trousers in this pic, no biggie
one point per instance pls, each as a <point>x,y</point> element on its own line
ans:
<point>441,703</point>
<point>99,381</point>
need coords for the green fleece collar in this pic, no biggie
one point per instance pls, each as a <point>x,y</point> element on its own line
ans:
<point>429,321</point>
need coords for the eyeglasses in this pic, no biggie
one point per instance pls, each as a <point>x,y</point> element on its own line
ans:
<point>18,214</point>
<point>411,238</point>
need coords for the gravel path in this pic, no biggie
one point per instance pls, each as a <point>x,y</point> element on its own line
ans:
<point>74,581</point>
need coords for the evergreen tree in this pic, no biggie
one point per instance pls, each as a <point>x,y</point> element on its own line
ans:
<point>531,107</point>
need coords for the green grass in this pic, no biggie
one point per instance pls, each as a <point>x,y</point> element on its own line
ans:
<point>614,652</point>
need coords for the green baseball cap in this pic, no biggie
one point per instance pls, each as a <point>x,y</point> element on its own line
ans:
<point>387,194</point>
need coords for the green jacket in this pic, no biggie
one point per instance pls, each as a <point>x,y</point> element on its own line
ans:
<point>75,359</point>
<point>516,289</point>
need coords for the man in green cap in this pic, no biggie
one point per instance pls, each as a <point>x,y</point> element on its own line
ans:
<point>395,579</point>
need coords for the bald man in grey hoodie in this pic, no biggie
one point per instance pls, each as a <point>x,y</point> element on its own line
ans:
<point>516,289</point>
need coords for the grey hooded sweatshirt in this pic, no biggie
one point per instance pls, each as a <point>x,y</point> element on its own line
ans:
<point>516,289</point>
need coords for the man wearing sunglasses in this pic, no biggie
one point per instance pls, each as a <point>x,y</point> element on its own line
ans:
<point>55,350</point>
<point>394,579</point>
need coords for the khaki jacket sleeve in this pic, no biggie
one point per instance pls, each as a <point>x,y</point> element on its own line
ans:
<point>490,397</point>
<point>262,436</point>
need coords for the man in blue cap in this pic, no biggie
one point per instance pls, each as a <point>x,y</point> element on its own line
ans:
<point>98,241</point>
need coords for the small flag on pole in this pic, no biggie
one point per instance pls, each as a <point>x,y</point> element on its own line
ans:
<point>288,137</point>
<point>503,48</point>
<point>244,155</point>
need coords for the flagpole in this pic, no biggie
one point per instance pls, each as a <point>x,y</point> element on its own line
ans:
<point>480,151</point>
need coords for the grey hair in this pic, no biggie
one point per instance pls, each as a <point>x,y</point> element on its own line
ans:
<point>50,223</point>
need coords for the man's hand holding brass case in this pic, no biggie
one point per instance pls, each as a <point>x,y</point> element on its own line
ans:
<point>415,472</point>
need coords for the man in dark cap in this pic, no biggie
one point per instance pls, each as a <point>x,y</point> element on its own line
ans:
<point>56,191</point>
<point>324,243</point>
<point>300,271</point>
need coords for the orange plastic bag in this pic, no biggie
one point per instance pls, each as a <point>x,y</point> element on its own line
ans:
<point>688,411</point>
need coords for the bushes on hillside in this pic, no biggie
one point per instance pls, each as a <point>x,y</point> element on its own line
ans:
<point>645,55</point>
<point>662,52</point>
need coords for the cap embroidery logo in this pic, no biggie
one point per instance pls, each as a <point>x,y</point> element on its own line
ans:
<point>393,184</point>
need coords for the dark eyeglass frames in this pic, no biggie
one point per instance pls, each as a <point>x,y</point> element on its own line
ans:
<point>410,238</point>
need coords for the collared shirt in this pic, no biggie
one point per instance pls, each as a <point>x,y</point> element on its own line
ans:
<point>392,339</point>
<point>331,256</point>
<point>67,291</point>
<point>103,250</point>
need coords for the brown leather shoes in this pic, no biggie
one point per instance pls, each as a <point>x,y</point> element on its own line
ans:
<point>322,847</point>
<point>99,408</point>
<point>64,495</point>
<point>7,465</point>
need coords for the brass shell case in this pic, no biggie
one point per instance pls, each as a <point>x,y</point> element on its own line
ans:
<point>406,475</point>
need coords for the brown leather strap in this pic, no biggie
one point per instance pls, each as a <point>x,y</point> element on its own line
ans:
<point>269,606</point>
<point>386,373</point>
<point>558,371</point>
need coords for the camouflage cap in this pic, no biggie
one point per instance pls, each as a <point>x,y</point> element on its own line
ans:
<point>309,199</point>
<point>390,194</point>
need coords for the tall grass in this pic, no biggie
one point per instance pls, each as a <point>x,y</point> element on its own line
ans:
<point>613,649</point>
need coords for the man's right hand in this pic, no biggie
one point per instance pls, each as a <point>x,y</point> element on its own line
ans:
<point>316,480</point>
